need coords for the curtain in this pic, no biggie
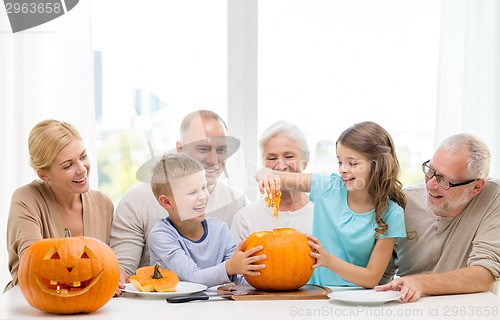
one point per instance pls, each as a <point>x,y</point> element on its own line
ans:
<point>469,69</point>
<point>46,72</point>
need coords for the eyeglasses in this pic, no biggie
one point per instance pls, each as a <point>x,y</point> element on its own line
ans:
<point>442,181</point>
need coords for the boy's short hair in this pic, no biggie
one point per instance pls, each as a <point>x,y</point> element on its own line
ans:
<point>170,167</point>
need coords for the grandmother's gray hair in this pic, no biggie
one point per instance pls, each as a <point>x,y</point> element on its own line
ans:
<point>291,131</point>
<point>478,165</point>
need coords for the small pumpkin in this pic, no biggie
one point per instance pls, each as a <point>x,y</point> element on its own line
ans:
<point>288,262</point>
<point>68,275</point>
<point>152,278</point>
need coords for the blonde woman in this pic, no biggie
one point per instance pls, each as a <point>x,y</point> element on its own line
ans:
<point>61,198</point>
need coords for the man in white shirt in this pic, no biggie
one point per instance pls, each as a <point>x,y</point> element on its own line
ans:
<point>203,136</point>
<point>283,147</point>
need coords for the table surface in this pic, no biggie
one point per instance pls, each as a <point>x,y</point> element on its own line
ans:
<point>484,305</point>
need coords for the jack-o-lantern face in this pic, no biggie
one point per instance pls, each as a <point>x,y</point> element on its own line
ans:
<point>68,269</point>
<point>68,275</point>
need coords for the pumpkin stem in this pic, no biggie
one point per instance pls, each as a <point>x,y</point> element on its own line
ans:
<point>156,273</point>
<point>67,233</point>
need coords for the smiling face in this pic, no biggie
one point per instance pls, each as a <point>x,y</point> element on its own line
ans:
<point>68,275</point>
<point>354,167</point>
<point>69,171</point>
<point>282,153</point>
<point>452,166</point>
<point>56,275</point>
<point>204,141</point>
<point>190,196</point>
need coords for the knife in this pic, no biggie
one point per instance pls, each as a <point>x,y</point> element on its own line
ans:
<point>195,297</point>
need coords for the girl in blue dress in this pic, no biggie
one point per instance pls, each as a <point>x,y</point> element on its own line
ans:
<point>358,213</point>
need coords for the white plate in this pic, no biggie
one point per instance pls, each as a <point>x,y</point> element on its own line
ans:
<point>335,288</point>
<point>183,288</point>
<point>364,297</point>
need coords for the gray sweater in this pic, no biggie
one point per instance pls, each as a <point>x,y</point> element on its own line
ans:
<point>202,261</point>
<point>138,211</point>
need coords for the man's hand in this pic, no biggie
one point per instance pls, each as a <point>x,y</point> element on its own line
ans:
<point>409,287</point>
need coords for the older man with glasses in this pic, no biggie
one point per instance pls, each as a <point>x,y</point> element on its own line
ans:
<point>452,223</point>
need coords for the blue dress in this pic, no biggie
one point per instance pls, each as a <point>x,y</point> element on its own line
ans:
<point>344,233</point>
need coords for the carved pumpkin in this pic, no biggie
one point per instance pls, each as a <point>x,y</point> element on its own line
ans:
<point>288,263</point>
<point>152,278</point>
<point>68,275</point>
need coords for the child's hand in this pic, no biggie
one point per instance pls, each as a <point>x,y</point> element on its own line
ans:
<point>242,262</point>
<point>267,181</point>
<point>321,255</point>
<point>121,283</point>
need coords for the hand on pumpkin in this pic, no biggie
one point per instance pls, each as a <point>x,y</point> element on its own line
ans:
<point>242,262</point>
<point>321,255</point>
<point>268,181</point>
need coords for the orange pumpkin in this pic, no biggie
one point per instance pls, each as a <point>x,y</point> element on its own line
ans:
<point>68,275</point>
<point>152,278</point>
<point>288,263</point>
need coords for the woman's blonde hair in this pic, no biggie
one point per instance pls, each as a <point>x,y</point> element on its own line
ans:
<point>170,167</point>
<point>376,144</point>
<point>47,139</point>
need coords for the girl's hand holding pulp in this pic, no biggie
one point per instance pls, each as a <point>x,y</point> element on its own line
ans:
<point>268,181</point>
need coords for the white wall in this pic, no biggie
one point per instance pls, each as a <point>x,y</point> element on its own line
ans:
<point>46,72</point>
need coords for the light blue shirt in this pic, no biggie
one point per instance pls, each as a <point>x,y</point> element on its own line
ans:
<point>202,261</point>
<point>344,233</point>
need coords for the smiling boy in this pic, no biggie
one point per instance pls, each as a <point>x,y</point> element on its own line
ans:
<point>197,248</point>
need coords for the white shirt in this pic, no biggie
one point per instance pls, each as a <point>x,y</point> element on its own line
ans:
<point>259,217</point>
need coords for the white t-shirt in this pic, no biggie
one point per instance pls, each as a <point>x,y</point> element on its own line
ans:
<point>259,217</point>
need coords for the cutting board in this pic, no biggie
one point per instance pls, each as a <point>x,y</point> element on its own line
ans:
<point>246,292</point>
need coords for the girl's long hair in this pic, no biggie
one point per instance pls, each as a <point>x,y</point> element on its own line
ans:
<point>376,144</point>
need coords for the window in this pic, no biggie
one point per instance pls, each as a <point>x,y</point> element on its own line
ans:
<point>155,61</point>
<point>322,65</point>
<point>325,65</point>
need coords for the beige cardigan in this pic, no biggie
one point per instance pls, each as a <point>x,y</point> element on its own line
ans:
<point>34,216</point>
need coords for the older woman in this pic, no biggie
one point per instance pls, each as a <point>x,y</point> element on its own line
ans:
<point>283,147</point>
<point>60,198</point>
